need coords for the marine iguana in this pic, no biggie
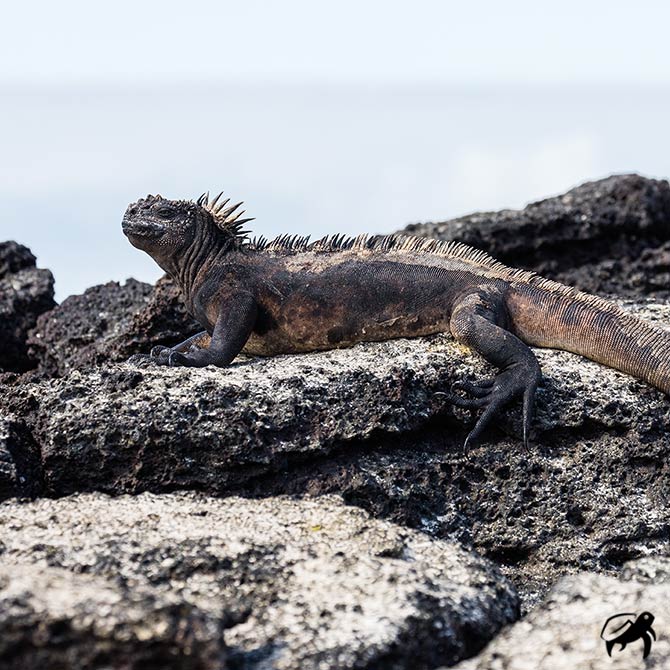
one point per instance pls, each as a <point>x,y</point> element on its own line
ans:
<point>291,295</point>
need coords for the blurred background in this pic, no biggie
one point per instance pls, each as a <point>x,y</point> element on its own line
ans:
<point>324,117</point>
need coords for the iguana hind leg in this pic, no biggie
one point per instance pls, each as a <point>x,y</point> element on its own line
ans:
<point>478,320</point>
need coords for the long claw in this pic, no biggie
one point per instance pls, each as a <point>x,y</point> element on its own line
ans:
<point>484,420</point>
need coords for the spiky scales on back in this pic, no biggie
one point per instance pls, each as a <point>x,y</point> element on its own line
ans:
<point>225,218</point>
<point>228,219</point>
<point>405,244</point>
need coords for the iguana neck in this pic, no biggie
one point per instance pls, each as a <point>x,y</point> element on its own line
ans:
<point>184,265</point>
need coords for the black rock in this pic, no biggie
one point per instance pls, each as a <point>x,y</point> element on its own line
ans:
<point>25,292</point>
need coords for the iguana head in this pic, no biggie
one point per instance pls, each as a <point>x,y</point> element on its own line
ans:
<point>166,228</point>
<point>156,224</point>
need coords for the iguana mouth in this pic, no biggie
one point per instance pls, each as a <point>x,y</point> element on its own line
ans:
<point>146,230</point>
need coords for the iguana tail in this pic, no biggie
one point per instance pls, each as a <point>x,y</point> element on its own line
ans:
<point>548,314</point>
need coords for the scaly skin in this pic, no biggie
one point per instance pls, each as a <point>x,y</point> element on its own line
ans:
<point>289,296</point>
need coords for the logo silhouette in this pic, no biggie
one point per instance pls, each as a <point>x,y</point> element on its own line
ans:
<point>624,628</point>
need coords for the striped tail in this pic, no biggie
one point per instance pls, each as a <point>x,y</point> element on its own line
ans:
<point>548,314</point>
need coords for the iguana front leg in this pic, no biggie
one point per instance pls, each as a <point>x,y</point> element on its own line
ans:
<point>233,326</point>
<point>476,321</point>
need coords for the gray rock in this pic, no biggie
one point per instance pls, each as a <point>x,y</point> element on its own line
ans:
<point>610,236</point>
<point>109,322</point>
<point>564,631</point>
<point>52,619</point>
<point>121,428</point>
<point>367,423</point>
<point>25,293</point>
<point>139,581</point>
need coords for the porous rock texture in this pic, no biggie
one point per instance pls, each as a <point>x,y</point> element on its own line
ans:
<point>183,580</point>
<point>610,236</point>
<point>370,423</point>
<point>109,322</point>
<point>20,464</point>
<point>25,292</point>
<point>565,631</point>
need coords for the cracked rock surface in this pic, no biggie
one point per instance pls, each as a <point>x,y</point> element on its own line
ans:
<point>184,580</point>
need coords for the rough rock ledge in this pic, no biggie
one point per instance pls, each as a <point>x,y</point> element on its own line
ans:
<point>367,423</point>
<point>183,580</point>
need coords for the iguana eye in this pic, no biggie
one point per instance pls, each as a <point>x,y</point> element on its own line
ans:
<point>165,213</point>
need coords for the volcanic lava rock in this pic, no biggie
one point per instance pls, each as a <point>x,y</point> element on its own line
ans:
<point>20,473</point>
<point>610,236</point>
<point>25,292</point>
<point>109,322</point>
<point>368,422</point>
<point>167,581</point>
<point>123,428</point>
<point>564,631</point>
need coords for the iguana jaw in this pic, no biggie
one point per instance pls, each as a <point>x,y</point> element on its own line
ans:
<point>141,230</point>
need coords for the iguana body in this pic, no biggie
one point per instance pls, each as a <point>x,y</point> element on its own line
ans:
<point>290,296</point>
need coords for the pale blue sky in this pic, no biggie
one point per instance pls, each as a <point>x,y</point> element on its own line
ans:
<point>324,117</point>
<point>443,41</point>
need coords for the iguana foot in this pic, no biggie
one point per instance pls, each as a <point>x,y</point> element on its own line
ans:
<point>193,357</point>
<point>520,379</point>
<point>160,355</point>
